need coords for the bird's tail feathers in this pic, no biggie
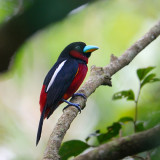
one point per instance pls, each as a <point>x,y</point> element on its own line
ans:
<point>49,113</point>
<point>40,125</point>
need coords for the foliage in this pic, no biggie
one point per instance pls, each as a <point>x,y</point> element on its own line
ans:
<point>139,126</point>
<point>129,95</point>
<point>145,77</point>
<point>141,73</point>
<point>72,148</point>
<point>75,147</point>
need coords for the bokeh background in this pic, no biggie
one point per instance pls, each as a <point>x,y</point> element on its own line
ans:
<point>111,25</point>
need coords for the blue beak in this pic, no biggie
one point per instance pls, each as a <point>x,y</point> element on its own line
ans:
<point>89,49</point>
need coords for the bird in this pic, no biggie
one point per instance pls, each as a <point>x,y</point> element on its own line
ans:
<point>64,79</point>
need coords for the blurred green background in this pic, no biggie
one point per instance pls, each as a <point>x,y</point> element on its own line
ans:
<point>111,25</point>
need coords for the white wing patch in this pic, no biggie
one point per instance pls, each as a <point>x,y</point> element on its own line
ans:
<point>55,74</point>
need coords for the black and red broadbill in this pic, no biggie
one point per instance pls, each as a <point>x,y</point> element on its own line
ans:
<point>63,80</point>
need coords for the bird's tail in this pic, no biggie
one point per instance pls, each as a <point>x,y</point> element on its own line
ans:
<point>40,125</point>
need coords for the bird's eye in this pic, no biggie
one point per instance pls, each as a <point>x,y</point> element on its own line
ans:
<point>78,48</point>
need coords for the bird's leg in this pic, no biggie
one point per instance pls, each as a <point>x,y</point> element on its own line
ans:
<point>71,104</point>
<point>79,94</point>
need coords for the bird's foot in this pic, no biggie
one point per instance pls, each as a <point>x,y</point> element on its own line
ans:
<point>72,104</point>
<point>79,94</point>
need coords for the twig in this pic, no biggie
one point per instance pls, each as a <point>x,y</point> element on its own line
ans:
<point>99,76</point>
<point>136,107</point>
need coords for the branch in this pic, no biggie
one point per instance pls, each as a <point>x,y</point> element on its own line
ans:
<point>19,28</point>
<point>99,76</point>
<point>125,146</point>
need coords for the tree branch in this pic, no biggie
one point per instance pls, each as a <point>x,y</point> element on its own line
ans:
<point>125,146</point>
<point>99,76</point>
<point>19,28</point>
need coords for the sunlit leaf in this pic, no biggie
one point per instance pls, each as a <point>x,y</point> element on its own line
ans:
<point>142,72</point>
<point>140,126</point>
<point>94,134</point>
<point>150,79</point>
<point>126,119</point>
<point>72,148</point>
<point>112,132</point>
<point>129,94</point>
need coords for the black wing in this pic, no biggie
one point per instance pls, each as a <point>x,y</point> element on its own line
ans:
<point>61,83</point>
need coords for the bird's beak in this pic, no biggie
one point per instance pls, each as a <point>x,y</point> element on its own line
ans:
<point>89,49</point>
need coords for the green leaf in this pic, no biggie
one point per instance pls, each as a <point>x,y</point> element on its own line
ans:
<point>149,79</point>
<point>72,148</point>
<point>155,79</point>
<point>140,126</point>
<point>126,119</point>
<point>129,94</point>
<point>112,132</point>
<point>142,72</point>
<point>114,129</point>
<point>94,134</point>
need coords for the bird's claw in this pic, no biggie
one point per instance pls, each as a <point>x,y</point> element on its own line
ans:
<point>71,104</point>
<point>75,105</point>
<point>79,94</point>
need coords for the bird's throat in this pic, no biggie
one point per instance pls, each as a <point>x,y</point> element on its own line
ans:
<point>78,55</point>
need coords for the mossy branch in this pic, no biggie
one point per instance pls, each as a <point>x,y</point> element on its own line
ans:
<point>125,146</point>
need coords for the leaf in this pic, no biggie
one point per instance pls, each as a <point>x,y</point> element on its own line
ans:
<point>72,148</point>
<point>155,79</point>
<point>114,129</point>
<point>129,94</point>
<point>142,72</point>
<point>126,119</point>
<point>140,126</point>
<point>94,134</point>
<point>149,79</point>
<point>112,132</point>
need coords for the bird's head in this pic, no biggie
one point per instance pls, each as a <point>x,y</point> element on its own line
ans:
<point>78,50</point>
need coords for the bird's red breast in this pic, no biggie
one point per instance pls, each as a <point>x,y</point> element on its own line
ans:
<point>77,81</point>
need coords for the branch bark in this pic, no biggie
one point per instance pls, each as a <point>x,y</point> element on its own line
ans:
<point>125,146</point>
<point>99,76</point>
